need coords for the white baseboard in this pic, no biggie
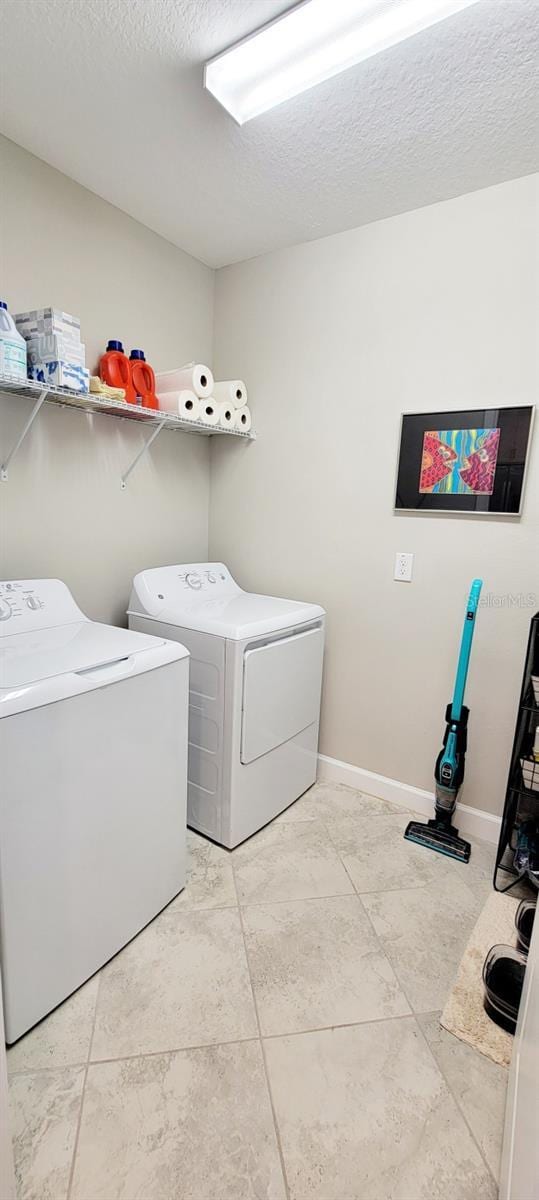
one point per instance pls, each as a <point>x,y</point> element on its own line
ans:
<point>471,822</point>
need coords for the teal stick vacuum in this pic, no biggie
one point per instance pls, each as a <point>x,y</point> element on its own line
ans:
<point>439,833</point>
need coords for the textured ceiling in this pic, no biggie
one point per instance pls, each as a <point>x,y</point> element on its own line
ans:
<point>110,92</point>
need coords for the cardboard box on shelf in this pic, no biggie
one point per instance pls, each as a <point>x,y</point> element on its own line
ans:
<point>58,373</point>
<point>40,321</point>
<point>55,346</point>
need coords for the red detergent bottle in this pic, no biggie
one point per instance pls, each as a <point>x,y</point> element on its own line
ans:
<point>115,369</point>
<point>143,380</point>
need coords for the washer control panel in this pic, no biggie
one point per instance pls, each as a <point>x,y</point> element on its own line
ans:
<point>27,604</point>
<point>16,598</point>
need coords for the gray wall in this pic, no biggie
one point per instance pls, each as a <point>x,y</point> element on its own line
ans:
<point>434,309</point>
<point>62,512</point>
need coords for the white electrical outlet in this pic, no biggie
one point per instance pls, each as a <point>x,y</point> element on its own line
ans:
<point>404,566</point>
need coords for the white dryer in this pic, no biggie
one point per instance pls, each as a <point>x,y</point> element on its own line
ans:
<point>254,692</point>
<point>93,745</point>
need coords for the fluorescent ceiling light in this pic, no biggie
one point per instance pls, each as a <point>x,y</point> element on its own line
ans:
<point>312,42</point>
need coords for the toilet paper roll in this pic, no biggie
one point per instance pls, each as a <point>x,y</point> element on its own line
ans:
<point>209,412</point>
<point>227,418</point>
<point>231,391</point>
<point>194,377</point>
<point>182,404</point>
<point>243,419</point>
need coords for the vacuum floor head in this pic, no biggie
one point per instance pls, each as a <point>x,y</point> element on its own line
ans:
<point>437,836</point>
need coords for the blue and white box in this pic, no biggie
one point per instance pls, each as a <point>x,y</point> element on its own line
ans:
<point>58,373</point>
<point>56,355</point>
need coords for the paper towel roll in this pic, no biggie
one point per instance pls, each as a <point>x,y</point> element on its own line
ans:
<point>182,404</point>
<point>231,391</point>
<point>210,412</point>
<point>243,419</point>
<point>194,376</point>
<point>227,418</point>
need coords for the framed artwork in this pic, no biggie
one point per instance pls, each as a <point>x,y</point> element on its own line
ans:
<point>472,461</point>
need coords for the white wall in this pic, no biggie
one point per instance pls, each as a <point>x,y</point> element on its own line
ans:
<point>62,512</point>
<point>436,309</point>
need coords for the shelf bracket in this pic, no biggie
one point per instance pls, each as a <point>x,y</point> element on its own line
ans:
<point>17,445</point>
<point>143,450</point>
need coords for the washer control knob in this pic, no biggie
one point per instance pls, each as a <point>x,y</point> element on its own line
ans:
<point>211,577</point>
<point>5,610</point>
<point>33,602</point>
<point>193,581</point>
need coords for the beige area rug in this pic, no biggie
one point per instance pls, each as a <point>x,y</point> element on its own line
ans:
<point>464,1014</point>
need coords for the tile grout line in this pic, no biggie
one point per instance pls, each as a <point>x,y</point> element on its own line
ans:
<point>308,899</point>
<point>79,1121</point>
<point>238,1041</point>
<point>187,912</point>
<point>98,1062</point>
<point>354,894</point>
<point>292,1033</point>
<point>383,892</point>
<point>386,955</point>
<point>50,1069</point>
<point>357,896</point>
<point>455,1097</point>
<point>370,891</point>
<point>261,1044</point>
<point>378,939</point>
<point>394,966</point>
<point>415,1015</point>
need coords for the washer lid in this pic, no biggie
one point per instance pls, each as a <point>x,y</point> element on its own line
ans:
<point>205,598</point>
<point>29,658</point>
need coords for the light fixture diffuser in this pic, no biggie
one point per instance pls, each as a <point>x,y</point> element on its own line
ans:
<point>310,43</point>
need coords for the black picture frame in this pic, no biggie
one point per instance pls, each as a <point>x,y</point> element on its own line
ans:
<point>508,430</point>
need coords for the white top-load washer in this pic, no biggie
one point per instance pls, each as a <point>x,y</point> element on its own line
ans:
<point>93,746</point>
<point>254,692</point>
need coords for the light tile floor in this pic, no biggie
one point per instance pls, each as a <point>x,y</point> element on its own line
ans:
<point>274,1033</point>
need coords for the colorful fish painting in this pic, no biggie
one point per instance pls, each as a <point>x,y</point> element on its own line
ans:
<point>437,462</point>
<point>459,461</point>
<point>480,470</point>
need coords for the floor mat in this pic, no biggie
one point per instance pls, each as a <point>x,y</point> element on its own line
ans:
<point>464,1014</point>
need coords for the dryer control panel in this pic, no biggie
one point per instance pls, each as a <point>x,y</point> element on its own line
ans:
<point>27,604</point>
<point>181,587</point>
<point>198,579</point>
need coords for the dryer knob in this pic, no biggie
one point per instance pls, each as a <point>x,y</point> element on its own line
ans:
<point>193,581</point>
<point>33,602</point>
<point>5,610</point>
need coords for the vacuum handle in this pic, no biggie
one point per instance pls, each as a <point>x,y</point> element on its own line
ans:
<point>465,649</point>
<point>475,592</point>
